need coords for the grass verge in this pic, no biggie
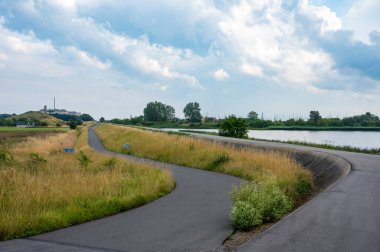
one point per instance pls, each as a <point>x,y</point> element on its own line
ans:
<point>269,170</point>
<point>43,189</point>
<point>375,151</point>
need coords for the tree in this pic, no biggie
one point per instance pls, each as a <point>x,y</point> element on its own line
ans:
<point>86,117</point>
<point>192,112</point>
<point>232,126</point>
<point>253,115</point>
<point>314,117</point>
<point>158,112</point>
<point>102,119</point>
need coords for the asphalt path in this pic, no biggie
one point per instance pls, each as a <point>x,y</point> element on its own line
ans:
<point>344,217</point>
<point>194,217</point>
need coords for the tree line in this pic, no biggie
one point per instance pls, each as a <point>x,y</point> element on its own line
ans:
<point>157,113</point>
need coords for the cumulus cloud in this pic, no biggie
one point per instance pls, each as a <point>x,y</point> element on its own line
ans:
<point>184,44</point>
<point>221,74</point>
<point>363,18</point>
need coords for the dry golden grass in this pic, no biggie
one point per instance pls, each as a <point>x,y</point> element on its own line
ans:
<point>42,188</point>
<point>253,165</point>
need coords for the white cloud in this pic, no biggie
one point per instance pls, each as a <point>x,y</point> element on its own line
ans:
<point>363,18</point>
<point>269,45</point>
<point>322,16</point>
<point>221,74</point>
<point>253,70</point>
<point>89,60</point>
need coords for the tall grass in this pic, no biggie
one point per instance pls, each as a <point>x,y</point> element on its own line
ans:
<point>42,188</point>
<point>254,165</point>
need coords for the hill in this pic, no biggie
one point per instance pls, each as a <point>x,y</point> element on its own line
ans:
<point>37,117</point>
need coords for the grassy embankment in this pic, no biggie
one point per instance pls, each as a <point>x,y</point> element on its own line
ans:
<point>42,129</point>
<point>375,151</point>
<point>42,188</point>
<point>268,169</point>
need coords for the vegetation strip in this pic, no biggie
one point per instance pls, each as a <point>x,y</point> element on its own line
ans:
<point>375,151</point>
<point>42,188</point>
<point>278,180</point>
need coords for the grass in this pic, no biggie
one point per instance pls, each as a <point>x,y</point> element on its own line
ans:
<point>43,189</point>
<point>374,151</point>
<point>42,129</point>
<point>254,165</point>
<point>32,115</point>
<point>322,128</point>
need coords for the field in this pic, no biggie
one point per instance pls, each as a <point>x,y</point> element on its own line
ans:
<point>44,129</point>
<point>42,188</point>
<point>253,165</point>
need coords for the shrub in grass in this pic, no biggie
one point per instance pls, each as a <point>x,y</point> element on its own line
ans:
<point>83,159</point>
<point>36,162</point>
<point>219,160</point>
<point>253,204</point>
<point>6,157</point>
<point>110,163</point>
<point>303,186</point>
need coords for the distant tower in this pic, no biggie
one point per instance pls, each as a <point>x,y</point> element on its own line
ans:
<point>45,109</point>
<point>54,103</point>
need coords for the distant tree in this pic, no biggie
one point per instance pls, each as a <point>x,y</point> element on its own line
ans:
<point>158,112</point>
<point>314,118</point>
<point>66,118</point>
<point>192,112</point>
<point>232,126</point>
<point>102,119</point>
<point>86,117</point>
<point>72,124</point>
<point>253,116</point>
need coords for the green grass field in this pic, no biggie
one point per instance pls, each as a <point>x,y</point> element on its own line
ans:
<point>42,129</point>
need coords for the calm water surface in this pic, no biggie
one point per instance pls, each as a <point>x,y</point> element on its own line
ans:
<point>360,139</point>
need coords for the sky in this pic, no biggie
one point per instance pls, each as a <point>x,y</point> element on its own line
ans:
<point>280,58</point>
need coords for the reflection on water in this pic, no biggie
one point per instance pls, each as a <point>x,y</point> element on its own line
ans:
<point>360,139</point>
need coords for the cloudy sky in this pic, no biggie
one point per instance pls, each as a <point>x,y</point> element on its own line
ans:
<point>111,57</point>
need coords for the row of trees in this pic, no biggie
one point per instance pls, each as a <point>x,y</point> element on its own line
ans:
<point>157,112</point>
<point>315,119</point>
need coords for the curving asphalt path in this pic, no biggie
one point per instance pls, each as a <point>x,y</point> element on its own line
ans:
<point>194,217</point>
<point>344,217</point>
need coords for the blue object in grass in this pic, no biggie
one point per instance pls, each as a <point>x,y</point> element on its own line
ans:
<point>68,150</point>
<point>126,146</point>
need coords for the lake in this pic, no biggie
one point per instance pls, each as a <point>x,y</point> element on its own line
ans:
<point>360,139</point>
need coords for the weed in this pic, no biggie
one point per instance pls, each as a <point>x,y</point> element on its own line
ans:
<point>303,186</point>
<point>219,160</point>
<point>110,163</point>
<point>83,159</point>
<point>6,157</point>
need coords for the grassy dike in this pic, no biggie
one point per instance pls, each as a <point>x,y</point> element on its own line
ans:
<point>278,180</point>
<point>42,188</point>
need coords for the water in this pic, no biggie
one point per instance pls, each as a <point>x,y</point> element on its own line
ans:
<point>360,139</point>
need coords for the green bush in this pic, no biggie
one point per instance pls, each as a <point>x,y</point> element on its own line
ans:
<point>244,216</point>
<point>253,204</point>
<point>232,126</point>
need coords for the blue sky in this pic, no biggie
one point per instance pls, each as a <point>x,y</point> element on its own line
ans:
<point>110,58</point>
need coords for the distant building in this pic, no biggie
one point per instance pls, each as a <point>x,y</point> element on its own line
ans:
<point>59,111</point>
<point>22,124</point>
